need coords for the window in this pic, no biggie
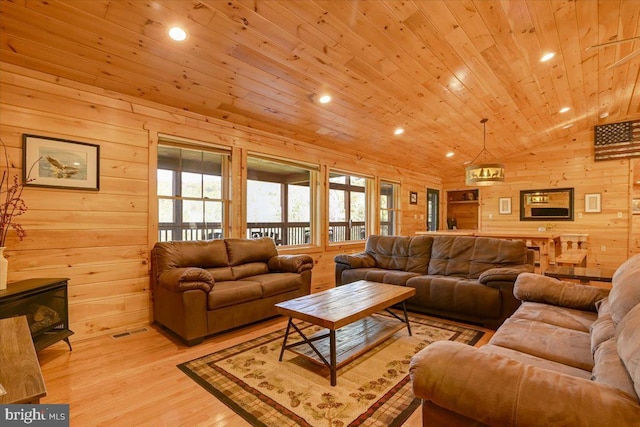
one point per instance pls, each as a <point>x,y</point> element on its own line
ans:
<point>388,208</point>
<point>433,202</point>
<point>191,193</point>
<point>279,200</point>
<point>347,207</point>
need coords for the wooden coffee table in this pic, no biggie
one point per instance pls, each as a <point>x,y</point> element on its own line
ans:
<point>346,310</point>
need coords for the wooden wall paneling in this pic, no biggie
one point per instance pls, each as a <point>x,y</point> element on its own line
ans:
<point>102,290</point>
<point>67,256</point>
<point>567,164</point>
<point>106,307</point>
<point>90,237</point>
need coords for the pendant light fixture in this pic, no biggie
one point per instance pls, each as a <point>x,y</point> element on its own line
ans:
<point>484,173</point>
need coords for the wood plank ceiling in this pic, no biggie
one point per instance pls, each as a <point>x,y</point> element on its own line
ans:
<point>434,68</point>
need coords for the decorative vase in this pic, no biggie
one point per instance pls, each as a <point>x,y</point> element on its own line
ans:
<point>4,268</point>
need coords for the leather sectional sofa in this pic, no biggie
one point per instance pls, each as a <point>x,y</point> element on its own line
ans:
<point>460,277</point>
<point>204,287</point>
<point>569,356</point>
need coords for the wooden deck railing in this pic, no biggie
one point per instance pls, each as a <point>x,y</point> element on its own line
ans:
<point>289,234</point>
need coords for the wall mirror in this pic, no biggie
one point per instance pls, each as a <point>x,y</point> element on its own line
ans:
<point>544,205</point>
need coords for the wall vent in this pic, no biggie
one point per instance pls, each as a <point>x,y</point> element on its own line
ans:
<point>127,333</point>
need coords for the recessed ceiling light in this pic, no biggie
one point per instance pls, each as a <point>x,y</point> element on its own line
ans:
<point>398,131</point>
<point>547,56</point>
<point>325,99</point>
<point>564,109</point>
<point>450,154</point>
<point>177,34</point>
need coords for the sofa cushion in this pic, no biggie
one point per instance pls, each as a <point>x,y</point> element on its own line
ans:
<point>608,368</point>
<point>550,342</point>
<point>490,252</point>
<point>204,254</point>
<point>398,277</point>
<point>361,260</point>
<point>276,283</point>
<point>400,252</point>
<point>353,275</point>
<point>603,328</point>
<point>243,251</point>
<point>455,295</point>
<point>221,274</point>
<point>628,344</point>
<point>468,257</point>
<point>544,289</point>
<point>563,317</point>
<point>625,288</point>
<point>536,361</point>
<point>249,269</point>
<point>451,256</point>
<point>225,294</point>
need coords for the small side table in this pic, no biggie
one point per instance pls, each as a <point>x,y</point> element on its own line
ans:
<point>20,373</point>
<point>583,274</point>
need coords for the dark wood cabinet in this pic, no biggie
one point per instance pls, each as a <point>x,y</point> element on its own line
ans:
<point>44,302</point>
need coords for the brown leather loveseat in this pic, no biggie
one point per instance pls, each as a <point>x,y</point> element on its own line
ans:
<point>204,287</point>
<point>459,277</point>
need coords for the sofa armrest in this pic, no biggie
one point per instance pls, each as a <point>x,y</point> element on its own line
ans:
<point>290,263</point>
<point>548,290</point>
<point>360,260</point>
<point>499,391</point>
<point>503,274</point>
<point>186,278</point>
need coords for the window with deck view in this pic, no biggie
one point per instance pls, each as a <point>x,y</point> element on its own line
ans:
<point>347,207</point>
<point>192,191</point>
<point>279,201</point>
<point>388,208</point>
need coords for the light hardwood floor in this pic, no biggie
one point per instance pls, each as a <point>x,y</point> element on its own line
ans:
<point>133,380</point>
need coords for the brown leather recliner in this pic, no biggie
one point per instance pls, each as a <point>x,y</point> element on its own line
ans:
<point>204,287</point>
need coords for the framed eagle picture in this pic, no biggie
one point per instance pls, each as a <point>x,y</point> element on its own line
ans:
<point>60,163</point>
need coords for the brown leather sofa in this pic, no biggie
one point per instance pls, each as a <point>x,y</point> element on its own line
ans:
<point>204,287</point>
<point>569,356</point>
<point>460,277</point>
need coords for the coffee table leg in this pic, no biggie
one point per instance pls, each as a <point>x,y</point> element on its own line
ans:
<point>284,343</point>
<point>332,355</point>
<point>406,318</point>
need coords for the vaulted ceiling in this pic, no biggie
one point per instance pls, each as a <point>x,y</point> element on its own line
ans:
<point>434,68</point>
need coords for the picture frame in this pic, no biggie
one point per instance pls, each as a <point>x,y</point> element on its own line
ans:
<point>592,203</point>
<point>60,163</point>
<point>635,206</point>
<point>504,206</point>
<point>413,197</point>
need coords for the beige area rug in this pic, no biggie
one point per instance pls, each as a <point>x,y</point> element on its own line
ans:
<point>373,390</point>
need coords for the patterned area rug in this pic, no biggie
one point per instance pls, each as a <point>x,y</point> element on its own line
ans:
<point>372,390</point>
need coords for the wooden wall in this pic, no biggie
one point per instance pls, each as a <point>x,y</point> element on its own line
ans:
<point>613,233</point>
<point>101,240</point>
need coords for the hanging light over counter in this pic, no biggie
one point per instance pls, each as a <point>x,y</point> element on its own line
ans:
<point>479,174</point>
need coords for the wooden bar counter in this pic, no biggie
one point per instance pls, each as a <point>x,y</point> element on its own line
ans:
<point>547,243</point>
